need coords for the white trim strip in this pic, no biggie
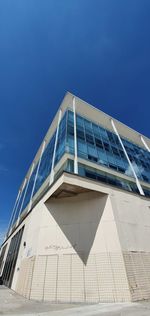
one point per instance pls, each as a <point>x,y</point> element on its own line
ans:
<point>75,138</point>
<point>130,164</point>
<point>51,178</point>
<point>12,214</point>
<point>23,198</point>
<point>16,208</point>
<point>144,142</point>
<point>25,192</point>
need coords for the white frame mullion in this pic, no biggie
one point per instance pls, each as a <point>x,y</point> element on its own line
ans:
<point>16,207</point>
<point>12,214</point>
<point>130,164</point>
<point>144,143</point>
<point>75,138</point>
<point>27,181</point>
<point>51,178</point>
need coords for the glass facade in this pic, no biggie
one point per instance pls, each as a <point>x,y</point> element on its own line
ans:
<point>45,165</point>
<point>43,172</point>
<point>44,168</point>
<point>98,175</point>
<point>140,159</point>
<point>94,144</point>
<point>100,146</point>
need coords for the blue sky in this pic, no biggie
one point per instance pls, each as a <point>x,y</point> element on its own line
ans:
<point>97,49</point>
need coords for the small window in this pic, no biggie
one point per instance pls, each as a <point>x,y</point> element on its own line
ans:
<point>98,143</point>
<point>113,166</point>
<point>90,174</point>
<point>92,158</point>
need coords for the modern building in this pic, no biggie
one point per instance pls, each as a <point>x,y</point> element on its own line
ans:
<point>80,227</point>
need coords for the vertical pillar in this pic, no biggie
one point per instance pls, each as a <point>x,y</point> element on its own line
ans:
<point>75,139</point>
<point>19,197</point>
<point>36,175</point>
<point>51,178</point>
<point>27,181</point>
<point>144,142</point>
<point>12,214</point>
<point>130,164</point>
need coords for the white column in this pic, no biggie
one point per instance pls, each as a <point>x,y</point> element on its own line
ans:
<point>130,164</point>
<point>36,175</point>
<point>20,193</point>
<point>144,142</point>
<point>12,214</point>
<point>75,138</point>
<point>51,178</point>
<point>27,181</point>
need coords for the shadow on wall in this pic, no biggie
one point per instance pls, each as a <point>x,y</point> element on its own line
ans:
<point>78,218</point>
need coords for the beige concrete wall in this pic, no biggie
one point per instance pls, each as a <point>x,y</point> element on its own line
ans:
<point>30,236</point>
<point>86,248</point>
<point>78,257</point>
<point>78,224</point>
<point>132,216</point>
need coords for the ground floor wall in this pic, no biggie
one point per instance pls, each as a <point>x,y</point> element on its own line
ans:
<point>64,278</point>
<point>78,256</point>
<point>132,218</point>
<point>91,247</point>
<point>137,266</point>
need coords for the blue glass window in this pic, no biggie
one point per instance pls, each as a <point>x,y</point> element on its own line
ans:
<point>61,142</point>
<point>104,177</point>
<point>139,158</point>
<point>29,189</point>
<point>102,157</point>
<point>18,207</point>
<point>103,134</point>
<point>96,144</point>
<point>45,165</point>
<point>82,148</point>
<point>101,146</point>
<point>69,148</point>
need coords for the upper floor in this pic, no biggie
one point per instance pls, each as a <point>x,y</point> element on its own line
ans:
<point>88,142</point>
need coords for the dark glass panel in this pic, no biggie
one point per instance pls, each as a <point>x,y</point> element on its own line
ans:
<point>29,189</point>
<point>45,165</point>
<point>107,178</point>
<point>19,206</point>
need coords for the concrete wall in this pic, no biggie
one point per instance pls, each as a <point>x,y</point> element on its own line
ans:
<point>132,217</point>
<point>78,257</point>
<point>91,247</point>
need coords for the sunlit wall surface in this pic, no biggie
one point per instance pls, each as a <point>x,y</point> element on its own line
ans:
<point>94,144</point>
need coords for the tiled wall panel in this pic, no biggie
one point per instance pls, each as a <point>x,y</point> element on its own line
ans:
<point>66,278</point>
<point>37,288</point>
<point>105,277</point>
<point>50,286</point>
<point>138,273</point>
